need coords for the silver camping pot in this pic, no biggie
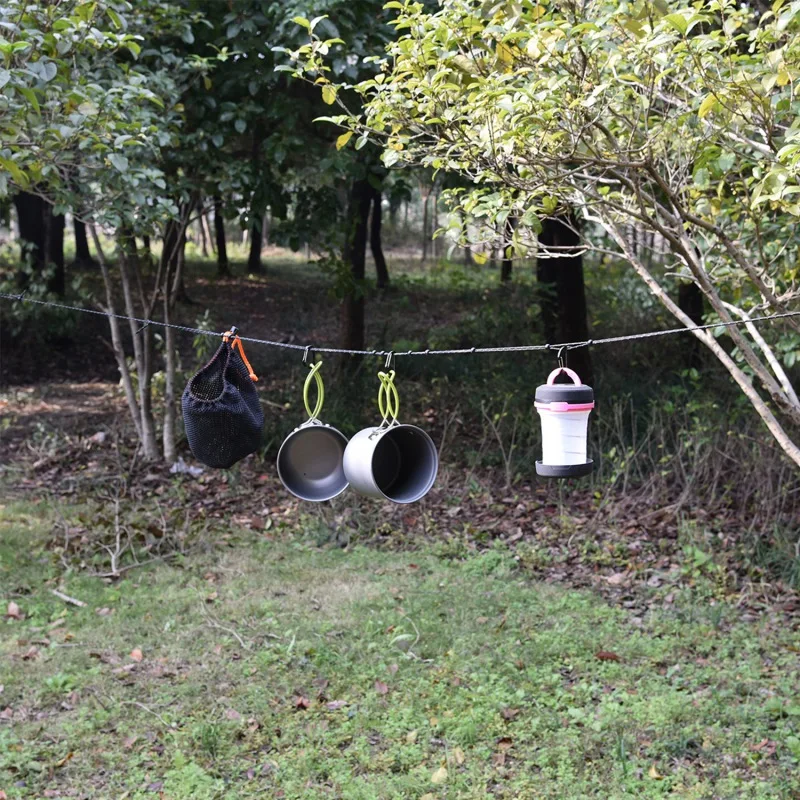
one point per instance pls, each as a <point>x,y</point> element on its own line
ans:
<point>391,461</point>
<point>310,458</point>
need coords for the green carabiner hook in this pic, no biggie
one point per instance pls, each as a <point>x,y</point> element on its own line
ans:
<point>313,374</point>
<point>388,398</point>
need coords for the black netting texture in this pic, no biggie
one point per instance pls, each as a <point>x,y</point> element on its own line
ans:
<point>221,412</point>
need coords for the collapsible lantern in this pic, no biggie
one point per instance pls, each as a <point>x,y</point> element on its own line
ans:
<point>564,409</point>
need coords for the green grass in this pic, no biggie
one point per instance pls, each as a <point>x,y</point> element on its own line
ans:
<point>278,669</point>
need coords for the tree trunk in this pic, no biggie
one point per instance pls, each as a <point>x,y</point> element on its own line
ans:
<point>30,213</point>
<point>55,251</point>
<point>354,253</point>
<point>116,339</point>
<point>506,265</point>
<point>203,240</point>
<point>170,369</point>
<point>435,225</point>
<point>691,301</point>
<point>42,238</point>
<point>142,343</point>
<point>207,225</point>
<point>83,255</point>
<point>254,265</point>
<point>563,295</point>
<point>146,259</point>
<point>375,240</point>
<point>265,225</point>
<point>219,232</point>
<point>425,230</point>
<point>173,260</point>
<point>172,291</point>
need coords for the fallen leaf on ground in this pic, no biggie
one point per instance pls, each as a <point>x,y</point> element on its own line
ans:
<point>300,701</point>
<point>13,611</point>
<point>505,743</point>
<point>381,687</point>
<point>136,655</point>
<point>335,705</point>
<point>606,655</point>
<point>458,755</point>
<point>233,715</point>
<point>509,713</point>
<point>32,654</point>
<point>440,776</point>
<point>616,579</point>
<point>654,773</point>
<point>411,737</point>
<point>766,746</point>
<point>104,612</point>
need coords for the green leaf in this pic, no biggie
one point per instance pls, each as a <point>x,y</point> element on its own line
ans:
<point>30,96</point>
<point>240,125</point>
<point>678,21</point>
<point>16,173</point>
<point>302,21</point>
<point>343,139</point>
<point>119,162</point>
<point>479,258</point>
<point>115,18</point>
<point>705,107</point>
<point>329,94</point>
<point>390,157</point>
<point>5,77</point>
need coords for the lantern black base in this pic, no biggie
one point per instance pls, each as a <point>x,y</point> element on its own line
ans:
<point>564,471</point>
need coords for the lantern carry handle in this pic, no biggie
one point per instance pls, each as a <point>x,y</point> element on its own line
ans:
<point>551,378</point>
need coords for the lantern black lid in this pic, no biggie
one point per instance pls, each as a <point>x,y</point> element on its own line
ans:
<point>573,393</point>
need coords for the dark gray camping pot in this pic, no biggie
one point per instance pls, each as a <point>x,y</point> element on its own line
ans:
<point>310,461</point>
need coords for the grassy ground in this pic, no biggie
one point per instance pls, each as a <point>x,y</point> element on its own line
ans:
<point>269,667</point>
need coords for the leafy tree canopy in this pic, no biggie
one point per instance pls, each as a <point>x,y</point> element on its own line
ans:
<point>678,118</point>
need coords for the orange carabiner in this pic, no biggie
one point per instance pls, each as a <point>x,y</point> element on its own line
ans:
<point>237,343</point>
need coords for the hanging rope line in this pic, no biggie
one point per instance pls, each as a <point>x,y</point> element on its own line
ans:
<point>524,348</point>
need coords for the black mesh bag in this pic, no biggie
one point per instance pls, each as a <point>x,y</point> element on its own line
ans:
<point>221,412</point>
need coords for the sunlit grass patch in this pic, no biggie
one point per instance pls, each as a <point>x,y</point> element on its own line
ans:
<point>282,669</point>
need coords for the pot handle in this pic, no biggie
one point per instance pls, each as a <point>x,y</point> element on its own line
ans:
<point>551,378</point>
<point>313,374</point>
